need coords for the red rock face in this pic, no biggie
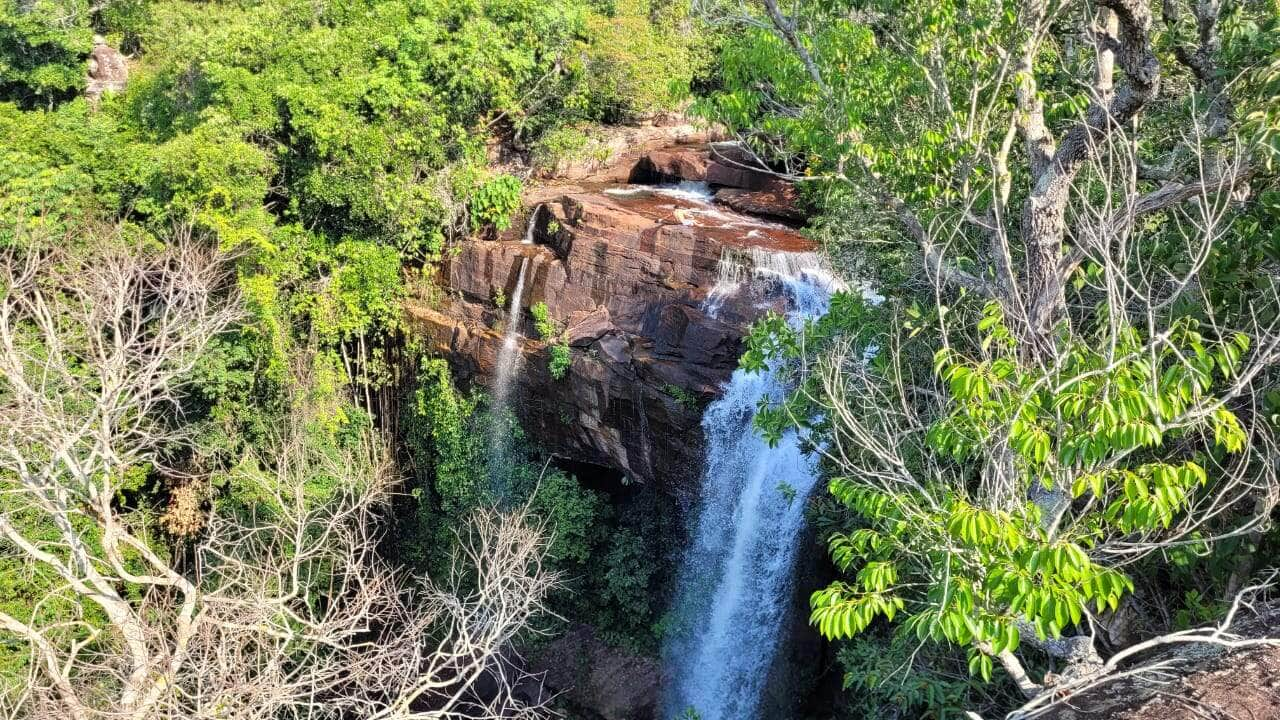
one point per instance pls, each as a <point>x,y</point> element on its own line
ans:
<point>672,164</point>
<point>778,202</point>
<point>627,273</point>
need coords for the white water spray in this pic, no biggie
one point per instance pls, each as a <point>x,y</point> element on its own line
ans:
<point>740,265</point>
<point>735,584</point>
<point>509,354</point>
<point>528,229</point>
<point>504,373</point>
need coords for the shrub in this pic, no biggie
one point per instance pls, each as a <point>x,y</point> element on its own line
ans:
<point>634,66</point>
<point>560,360</point>
<point>495,201</point>
<point>560,145</point>
<point>684,398</point>
<point>551,331</point>
<point>542,321</point>
<point>43,46</point>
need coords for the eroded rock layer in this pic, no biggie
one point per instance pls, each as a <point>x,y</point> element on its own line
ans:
<point>627,270</point>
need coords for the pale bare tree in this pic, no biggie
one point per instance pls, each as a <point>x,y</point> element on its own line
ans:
<point>282,606</point>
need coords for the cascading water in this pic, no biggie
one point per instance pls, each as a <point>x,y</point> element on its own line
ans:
<point>735,583</point>
<point>738,266</point>
<point>509,355</point>
<point>529,228</point>
<point>504,373</point>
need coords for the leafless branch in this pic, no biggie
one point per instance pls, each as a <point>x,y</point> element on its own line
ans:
<point>283,606</point>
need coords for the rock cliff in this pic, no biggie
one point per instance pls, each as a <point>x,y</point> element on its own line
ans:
<point>627,269</point>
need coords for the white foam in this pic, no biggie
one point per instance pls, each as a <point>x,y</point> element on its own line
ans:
<point>695,191</point>
<point>736,576</point>
<point>628,191</point>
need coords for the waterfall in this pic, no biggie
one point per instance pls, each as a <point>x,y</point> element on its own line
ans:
<point>503,376</point>
<point>528,229</point>
<point>735,581</point>
<point>740,265</point>
<point>509,354</point>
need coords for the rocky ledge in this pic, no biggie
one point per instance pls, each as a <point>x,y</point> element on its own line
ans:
<point>1190,681</point>
<point>627,269</point>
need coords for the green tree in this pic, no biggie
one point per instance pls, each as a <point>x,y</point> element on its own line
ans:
<point>1047,402</point>
<point>43,49</point>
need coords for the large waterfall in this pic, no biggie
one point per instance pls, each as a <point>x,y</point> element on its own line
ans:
<point>735,583</point>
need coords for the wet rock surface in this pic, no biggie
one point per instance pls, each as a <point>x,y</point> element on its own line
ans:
<point>642,267</point>
<point>627,270</point>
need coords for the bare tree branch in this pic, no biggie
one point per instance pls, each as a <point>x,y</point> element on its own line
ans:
<point>287,608</point>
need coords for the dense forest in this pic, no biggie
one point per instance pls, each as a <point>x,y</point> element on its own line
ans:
<point>678,359</point>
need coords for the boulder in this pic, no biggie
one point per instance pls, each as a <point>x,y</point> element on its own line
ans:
<point>108,70</point>
<point>671,165</point>
<point>735,176</point>
<point>612,152</point>
<point>730,165</point>
<point>780,202</point>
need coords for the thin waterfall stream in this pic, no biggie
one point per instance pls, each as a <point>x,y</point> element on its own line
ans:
<point>505,370</point>
<point>736,579</point>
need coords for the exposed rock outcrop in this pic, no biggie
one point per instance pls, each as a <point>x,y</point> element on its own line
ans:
<point>627,272</point>
<point>673,164</point>
<point>730,165</point>
<point>612,152</point>
<point>780,202</point>
<point>108,70</point>
<point>644,280</point>
<point>1195,682</point>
